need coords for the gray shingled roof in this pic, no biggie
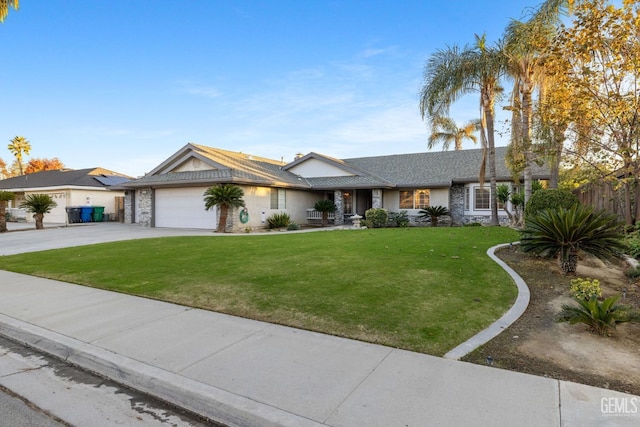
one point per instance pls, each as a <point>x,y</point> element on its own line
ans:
<point>432,169</point>
<point>93,177</point>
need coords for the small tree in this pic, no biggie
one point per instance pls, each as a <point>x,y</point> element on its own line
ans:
<point>38,205</point>
<point>5,196</point>
<point>505,195</point>
<point>326,207</point>
<point>434,212</point>
<point>563,232</point>
<point>225,196</point>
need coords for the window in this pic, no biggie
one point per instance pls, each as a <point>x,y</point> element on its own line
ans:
<point>481,198</point>
<point>414,199</point>
<point>278,198</point>
<point>347,199</point>
<point>467,198</point>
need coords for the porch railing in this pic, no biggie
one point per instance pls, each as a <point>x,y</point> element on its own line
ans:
<point>314,215</point>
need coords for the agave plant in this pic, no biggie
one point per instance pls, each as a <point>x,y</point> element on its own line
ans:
<point>434,212</point>
<point>279,220</point>
<point>564,232</point>
<point>600,316</point>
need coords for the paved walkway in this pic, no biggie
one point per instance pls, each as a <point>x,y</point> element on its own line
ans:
<point>248,373</point>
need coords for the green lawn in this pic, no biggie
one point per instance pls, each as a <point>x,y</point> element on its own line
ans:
<point>421,289</point>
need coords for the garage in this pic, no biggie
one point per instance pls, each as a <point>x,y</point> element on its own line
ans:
<point>183,208</point>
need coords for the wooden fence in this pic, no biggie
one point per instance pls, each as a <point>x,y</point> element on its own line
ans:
<point>602,196</point>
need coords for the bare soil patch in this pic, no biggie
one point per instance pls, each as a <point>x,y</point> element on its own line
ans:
<point>537,344</point>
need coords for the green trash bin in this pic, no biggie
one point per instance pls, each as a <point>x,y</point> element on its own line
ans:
<point>98,212</point>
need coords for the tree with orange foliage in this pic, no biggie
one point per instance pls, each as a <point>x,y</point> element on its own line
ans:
<point>39,165</point>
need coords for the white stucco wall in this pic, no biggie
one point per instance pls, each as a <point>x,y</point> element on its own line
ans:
<point>65,197</point>
<point>258,203</point>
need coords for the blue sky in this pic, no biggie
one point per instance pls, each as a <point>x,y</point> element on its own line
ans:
<point>123,84</point>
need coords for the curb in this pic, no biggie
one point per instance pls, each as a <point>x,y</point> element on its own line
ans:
<point>210,402</point>
<point>513,314</point>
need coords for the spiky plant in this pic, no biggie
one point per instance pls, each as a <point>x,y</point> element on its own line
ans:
<point>564,232</point>
<point>600,316</point>
<point>434,212</point>
<point>279,220</point>
<point>38,205</point>
<point>326,207</point>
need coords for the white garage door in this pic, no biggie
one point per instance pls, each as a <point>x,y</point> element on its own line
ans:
<point>183,208</point>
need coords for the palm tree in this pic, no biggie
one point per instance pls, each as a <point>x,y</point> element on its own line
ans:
<point>5,196</point>
<point>225,196</point>
<point>434,212</point>
<point>445,130</point>
<point>4,7</point>
<point>452,73</point>
<point>19,146</point>
<point>562,232</point>
<point>325,206</point>
<point>38,205</point>
<point>525,47</point>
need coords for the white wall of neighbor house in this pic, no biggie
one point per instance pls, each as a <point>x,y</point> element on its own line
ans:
<point>65,197</point>
<point>104,198</point>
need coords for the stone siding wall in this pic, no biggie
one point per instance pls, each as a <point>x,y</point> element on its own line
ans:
<point>145,207</point>
<point>376,198</point>
<point>456,204</point>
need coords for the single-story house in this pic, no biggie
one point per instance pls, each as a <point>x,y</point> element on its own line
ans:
<point>171,195</point>
<point>68,188</point>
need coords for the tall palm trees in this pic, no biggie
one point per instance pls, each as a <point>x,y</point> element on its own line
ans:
<point>452,73</point>
<point>524,47</point>
<point>19,146</point>
<point>4,7</point>
<point>445,130</point>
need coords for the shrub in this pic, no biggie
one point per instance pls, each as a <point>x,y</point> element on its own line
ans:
<point>279,220</point>
<point>563,232</point>
<point>377,216</point>
<point>399,219</point>
<point>434,212</point>
<point>600,316</point>
<point>585,288</point>
<point>293,226</point>
<point>632,241</point>
<point>550,199</point>
<point>634,272</point>
<point>472,224</point>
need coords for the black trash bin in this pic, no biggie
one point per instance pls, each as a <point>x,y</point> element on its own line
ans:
<point>73,214</point>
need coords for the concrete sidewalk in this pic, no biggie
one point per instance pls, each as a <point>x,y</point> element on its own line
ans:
<point>248,373</point>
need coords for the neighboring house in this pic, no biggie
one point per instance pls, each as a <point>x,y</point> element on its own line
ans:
<point>83,187</point>
<point>171,195</point>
